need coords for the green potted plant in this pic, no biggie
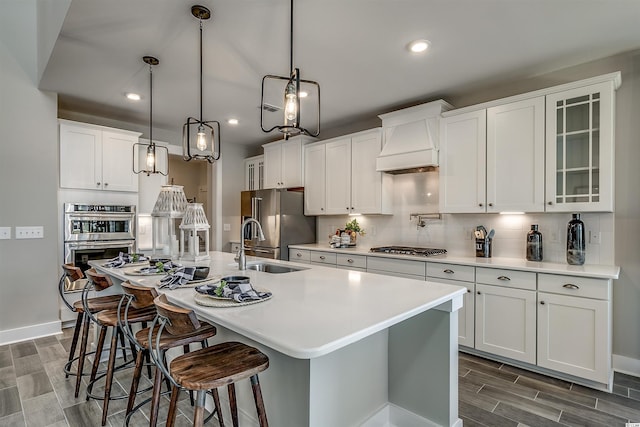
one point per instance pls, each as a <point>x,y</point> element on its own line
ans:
<point>353,228</point>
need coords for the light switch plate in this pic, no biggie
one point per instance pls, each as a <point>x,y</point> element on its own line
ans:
<point>226,227</point>
<point>5,233</point>
<point>35,232</point>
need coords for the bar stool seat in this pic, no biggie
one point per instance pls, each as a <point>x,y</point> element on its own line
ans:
<point>209,368</point>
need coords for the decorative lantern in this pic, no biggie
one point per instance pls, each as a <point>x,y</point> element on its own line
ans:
<point>169,207</point>
<point>195,224</point>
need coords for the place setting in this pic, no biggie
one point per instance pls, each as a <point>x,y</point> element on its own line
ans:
<point>230,291</point>
<point>126,260</point>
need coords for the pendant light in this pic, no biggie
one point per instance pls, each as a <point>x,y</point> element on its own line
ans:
<point>294,88</point>
<point>201,139</point>
<point>152,149</point>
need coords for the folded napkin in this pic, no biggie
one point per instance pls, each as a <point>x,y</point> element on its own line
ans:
<point>124,258</point>
<point>242,292</point>
<point>177,277</point>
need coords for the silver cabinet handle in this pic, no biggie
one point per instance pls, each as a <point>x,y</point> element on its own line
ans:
<point>570,286</point>
<point>322,257</point>
<point>490,204</point>
<point>480,204</point>
<point>106,183</point>
<point>350,261</point>
<point>321,209</point>
<point>448,271</point>
<point>479,293</point>
<point>468,291</point>
<point>352,208</point>
<point>550,203</point>
<point>299,255</point>
<point>347,208</point>
<point>541,302</point>
<point>97,184</point>
<point>503,278</point>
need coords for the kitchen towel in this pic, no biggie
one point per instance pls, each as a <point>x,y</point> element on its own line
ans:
<point>124,258</point>
<point>242,292</point>
<point>177,277</point>
<point>166,267</point>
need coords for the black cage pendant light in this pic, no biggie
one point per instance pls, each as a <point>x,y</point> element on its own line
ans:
<point>201,139</point>
<point>151,159</point>
<point>300,100</point>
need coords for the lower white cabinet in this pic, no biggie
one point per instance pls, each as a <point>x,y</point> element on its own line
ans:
<point>506,322</point>
<point>574,326</point>
<point>300,255</point>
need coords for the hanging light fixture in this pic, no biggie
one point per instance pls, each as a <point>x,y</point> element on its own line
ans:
<point>195,145</point>
<point>294,88</point>
<point>151,163</point>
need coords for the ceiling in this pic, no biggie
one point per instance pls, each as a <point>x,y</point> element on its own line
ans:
<point>355,49</point>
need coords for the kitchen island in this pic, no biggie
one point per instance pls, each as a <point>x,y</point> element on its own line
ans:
<point>346,348</point>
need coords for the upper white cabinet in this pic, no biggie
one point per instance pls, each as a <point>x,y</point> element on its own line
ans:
<point>341,176</point>
<point>96,158</point>
<point>254,173</point>
<point>492,156</point>
<point>283,163</point>
<point>580,135</point>
<point>493,159</point>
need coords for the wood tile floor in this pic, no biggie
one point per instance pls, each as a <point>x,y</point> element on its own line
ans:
<point>35,392</point>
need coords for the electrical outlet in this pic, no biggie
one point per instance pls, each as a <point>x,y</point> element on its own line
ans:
<point>5,233</point>
<point>36,232</point>
<point>594,237</point>
<point>226,227</point>
<point>554,236</point>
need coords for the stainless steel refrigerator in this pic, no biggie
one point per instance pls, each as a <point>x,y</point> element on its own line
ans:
<point>280,212</point>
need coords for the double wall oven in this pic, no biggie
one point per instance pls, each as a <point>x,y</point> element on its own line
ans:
<point>94,232</point>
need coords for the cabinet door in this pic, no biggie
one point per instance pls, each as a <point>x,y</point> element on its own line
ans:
<point>292,164</point>
<point>506,322</point>
<point>314,180</point>
<point>117,162</point>
<point>366,182</point>
<point>579,143</point>
<point>273,165</point>
<point>515,156</point>
<point>254,173</point>
<point>462,163</point>
<point>574,337</point>
<point>80,157</point>
<point>338,179</point>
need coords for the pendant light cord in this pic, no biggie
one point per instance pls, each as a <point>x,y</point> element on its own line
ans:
<point>200,70</point>
<point>291,42</point>
<point>150,104</point>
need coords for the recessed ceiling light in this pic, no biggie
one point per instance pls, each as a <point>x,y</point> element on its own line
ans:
<point>303,94</point>
<point>232,121</point>
<point>418,46</point>
<point>132,96</point>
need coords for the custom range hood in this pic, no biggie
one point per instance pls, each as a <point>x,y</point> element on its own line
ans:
<point>411,138</point>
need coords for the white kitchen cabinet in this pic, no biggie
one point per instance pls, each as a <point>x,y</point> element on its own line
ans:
<point>492,160</point>
<point>300,255</point>
<point>580,149</point>
<point>506,314</point>
<point>284,163</point>
<point>96,158</point>
<point>351,182</point>
<point>254,173</point>
<point>397,267</point>
<point>574,326</point>
<point>314,179</point>
<point>328,259</point>
<point>459,275</point>
<point>351,262</point>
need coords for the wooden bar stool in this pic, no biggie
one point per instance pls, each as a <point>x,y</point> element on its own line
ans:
<point>140,297</point>
<point>94,305</point>
<point>111,319</point>
<point>206,369</point>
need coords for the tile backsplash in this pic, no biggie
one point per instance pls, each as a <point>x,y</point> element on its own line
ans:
<point>418,193</point>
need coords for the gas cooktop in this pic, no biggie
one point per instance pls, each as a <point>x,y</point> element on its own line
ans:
<point>409,250</point>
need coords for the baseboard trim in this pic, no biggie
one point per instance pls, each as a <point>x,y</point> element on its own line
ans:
<point>31,332</point>
<point>391,415</point>
<point>626,365</point>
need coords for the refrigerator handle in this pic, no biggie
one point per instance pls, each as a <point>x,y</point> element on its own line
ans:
<point>255,214</point>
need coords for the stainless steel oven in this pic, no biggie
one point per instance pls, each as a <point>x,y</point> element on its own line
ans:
<point>93,232</point>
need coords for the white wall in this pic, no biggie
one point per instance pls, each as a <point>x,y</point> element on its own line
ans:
<point>28,181</point>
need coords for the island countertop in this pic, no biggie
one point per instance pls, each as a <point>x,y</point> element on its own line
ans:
<point>313,311</point>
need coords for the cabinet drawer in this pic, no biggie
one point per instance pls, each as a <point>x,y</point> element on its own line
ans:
<point>438,270</point>
<point>506,278</point>
<point>414,268</point>
<point>359,261</point>
<point>323,257</point>
<point>300,255</point>
<point>585,287</point>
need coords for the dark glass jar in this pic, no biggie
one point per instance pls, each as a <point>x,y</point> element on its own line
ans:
<point>534,244</point>
<point>575,241</point>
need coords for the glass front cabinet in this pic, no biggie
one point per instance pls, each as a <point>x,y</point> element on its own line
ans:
<point>580,149</point>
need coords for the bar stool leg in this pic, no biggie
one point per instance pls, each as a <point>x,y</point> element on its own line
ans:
<point>198,415</point>
<point>96,359</point>
<point>171,417</point>
<point>109,379</point>
<point>137,372</point>
<point>155,398</point>
<point>83,351</point>
<point>74,341</point>
<point>233,404</point>
<point>216,402</point>
<point>257,396</point>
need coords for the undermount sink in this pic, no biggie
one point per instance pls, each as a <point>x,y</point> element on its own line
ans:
<point>272,268</point>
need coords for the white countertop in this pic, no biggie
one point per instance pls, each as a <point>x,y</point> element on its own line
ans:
<point>595,271</point>
<point>313,311</point>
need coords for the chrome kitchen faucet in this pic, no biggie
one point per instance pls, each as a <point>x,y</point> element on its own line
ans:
<point>242,259</point>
